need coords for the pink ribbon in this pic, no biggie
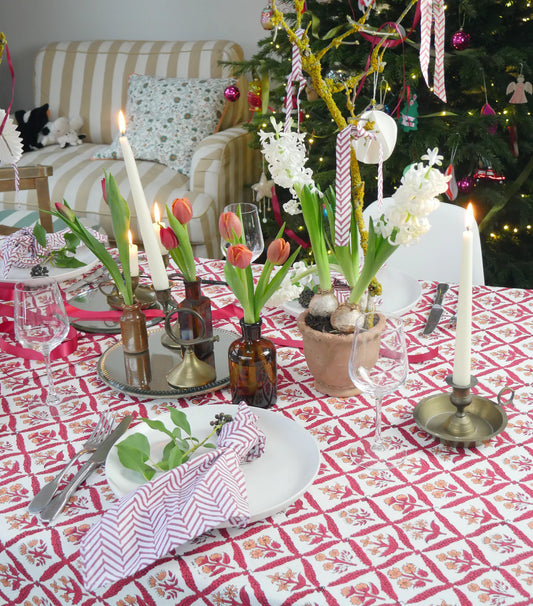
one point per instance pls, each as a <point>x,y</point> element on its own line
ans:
<point>8,346</point>
<point>277,217</point>
<point>8,111</point>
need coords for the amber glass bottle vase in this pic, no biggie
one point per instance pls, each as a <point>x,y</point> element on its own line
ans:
<point>252,368</point>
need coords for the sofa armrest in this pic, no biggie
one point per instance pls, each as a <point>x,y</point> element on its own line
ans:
<point>225,166</point>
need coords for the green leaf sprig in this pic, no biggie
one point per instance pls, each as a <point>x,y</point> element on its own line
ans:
<point>62,257</point>
<point>134,451</point>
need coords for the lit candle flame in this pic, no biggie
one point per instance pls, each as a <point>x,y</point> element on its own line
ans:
<point>469,216</point>
<point>130,239</point>
<point>121,122</point>
<point>157,214</point>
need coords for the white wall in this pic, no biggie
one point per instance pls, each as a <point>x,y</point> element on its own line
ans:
<point>29,24</point>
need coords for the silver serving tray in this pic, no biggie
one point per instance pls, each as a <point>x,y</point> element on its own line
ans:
<point>145,375</point>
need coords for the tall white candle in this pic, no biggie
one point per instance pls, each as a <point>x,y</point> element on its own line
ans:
<point>158,225</point>
<point>151,245</point>
<point>134,256</point>
<point>463,339</point>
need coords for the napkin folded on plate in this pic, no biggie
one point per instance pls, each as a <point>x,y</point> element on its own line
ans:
<point>21,249</point>
<point>174,507</point>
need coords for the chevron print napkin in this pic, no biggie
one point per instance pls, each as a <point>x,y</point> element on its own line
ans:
<point>175,507</point>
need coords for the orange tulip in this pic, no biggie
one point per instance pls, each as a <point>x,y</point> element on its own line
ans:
<point>239,255</point>
<point>182,210</point>
<point>278,251</point>
<point>168,238</point>
<point>229,226</point>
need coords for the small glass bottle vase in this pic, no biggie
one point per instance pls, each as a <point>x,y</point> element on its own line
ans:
<point>190,326</point>
<point>252,368</point>
<point>133,329</point>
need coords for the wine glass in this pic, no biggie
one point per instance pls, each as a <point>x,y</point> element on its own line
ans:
<point>41,323</point>
<point>378,366</point>
<point>251,227</point>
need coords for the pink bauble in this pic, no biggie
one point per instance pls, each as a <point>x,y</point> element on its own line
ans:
<point>232,93</point>
<point>460,40</point>
<point>465,184</point>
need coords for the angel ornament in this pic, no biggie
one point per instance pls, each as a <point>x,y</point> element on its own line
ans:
<point>519,90</point>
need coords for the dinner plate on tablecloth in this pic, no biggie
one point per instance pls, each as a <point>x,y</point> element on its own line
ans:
<point>283,473</point>
<point>401,293</point>
<point>22,274</point>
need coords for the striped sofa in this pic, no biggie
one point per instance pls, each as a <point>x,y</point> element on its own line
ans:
<point>90,79</point>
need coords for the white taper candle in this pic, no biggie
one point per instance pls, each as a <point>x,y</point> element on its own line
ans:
<point>462,360</point>
<point>151,245</point>
<point>134,256</point>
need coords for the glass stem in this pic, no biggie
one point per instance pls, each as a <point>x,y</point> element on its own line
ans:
<point>51,385</point>
<point>378,440</point>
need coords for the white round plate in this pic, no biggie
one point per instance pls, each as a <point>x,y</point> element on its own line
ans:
<point>284,472</point>
<point>400,293</point>
<point>22,274</point>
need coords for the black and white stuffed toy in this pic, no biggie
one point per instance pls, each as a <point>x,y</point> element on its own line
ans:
<point>29,124</point>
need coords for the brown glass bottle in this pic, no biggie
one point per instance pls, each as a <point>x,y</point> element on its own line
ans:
<point>252,368</point>
<point>190,325</point>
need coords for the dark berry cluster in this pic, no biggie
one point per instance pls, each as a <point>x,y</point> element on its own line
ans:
<point>305,297</point>
<point>38,270</point>
<point>220,420</point>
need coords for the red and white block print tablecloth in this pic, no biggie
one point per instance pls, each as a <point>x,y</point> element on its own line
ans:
<point>450,528</point>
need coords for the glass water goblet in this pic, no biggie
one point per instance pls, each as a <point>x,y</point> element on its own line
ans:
<point>378,366</point>
<point>251,227</point>
<point>41,323</point>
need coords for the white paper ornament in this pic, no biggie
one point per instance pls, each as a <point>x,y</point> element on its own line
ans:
<point>10,142</point>
<point>384,131</point>
<point>263,189</point>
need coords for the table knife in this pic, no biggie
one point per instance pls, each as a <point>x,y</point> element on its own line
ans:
<point>57,504</point>
<point>436,310</point>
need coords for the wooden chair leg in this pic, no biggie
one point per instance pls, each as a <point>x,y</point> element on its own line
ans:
<point>43,199</point>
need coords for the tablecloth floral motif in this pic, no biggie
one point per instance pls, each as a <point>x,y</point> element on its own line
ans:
<point>450,527</point>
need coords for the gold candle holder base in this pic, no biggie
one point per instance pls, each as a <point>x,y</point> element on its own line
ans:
<point>460,418</point>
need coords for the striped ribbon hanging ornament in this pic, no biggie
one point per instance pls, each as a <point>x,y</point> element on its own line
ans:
<point>295,77</point>
<point>432,18</point>
<point>343,180</point>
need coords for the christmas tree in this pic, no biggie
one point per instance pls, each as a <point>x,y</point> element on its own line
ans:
<point>483,130</point>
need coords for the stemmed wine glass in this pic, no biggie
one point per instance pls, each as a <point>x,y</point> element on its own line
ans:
<point>251,227</point>
<point>378,366</point>
<point>41,323</point>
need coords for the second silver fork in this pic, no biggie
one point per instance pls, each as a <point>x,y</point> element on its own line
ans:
<point>100,432</point>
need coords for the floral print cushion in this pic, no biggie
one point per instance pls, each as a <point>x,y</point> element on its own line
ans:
<point>166,118</point>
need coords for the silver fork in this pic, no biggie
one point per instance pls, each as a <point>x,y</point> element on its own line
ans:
<point>101,430</point>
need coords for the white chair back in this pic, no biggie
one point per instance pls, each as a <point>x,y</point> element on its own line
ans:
<point>437,255</point>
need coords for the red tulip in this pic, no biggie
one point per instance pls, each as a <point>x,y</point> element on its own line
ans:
<point>278,251</point>
<point>67,212</point>
<point>182,210</point>
<point>229,226</point>
<point>239,255</point>
<point>168,238</point>
<point>103,189</point>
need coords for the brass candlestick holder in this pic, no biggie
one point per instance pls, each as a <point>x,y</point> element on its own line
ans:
<point>142,293</point>
<point>190,371</point>
<point>166,301</point>
<point>460,418</point>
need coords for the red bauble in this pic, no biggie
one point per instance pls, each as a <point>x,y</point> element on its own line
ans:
<point>232,93</point>
<point>461,40</point>
<point>465,184</point>
<point>254,96</point>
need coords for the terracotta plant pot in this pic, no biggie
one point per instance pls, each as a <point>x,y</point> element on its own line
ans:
<point>327,357</point>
